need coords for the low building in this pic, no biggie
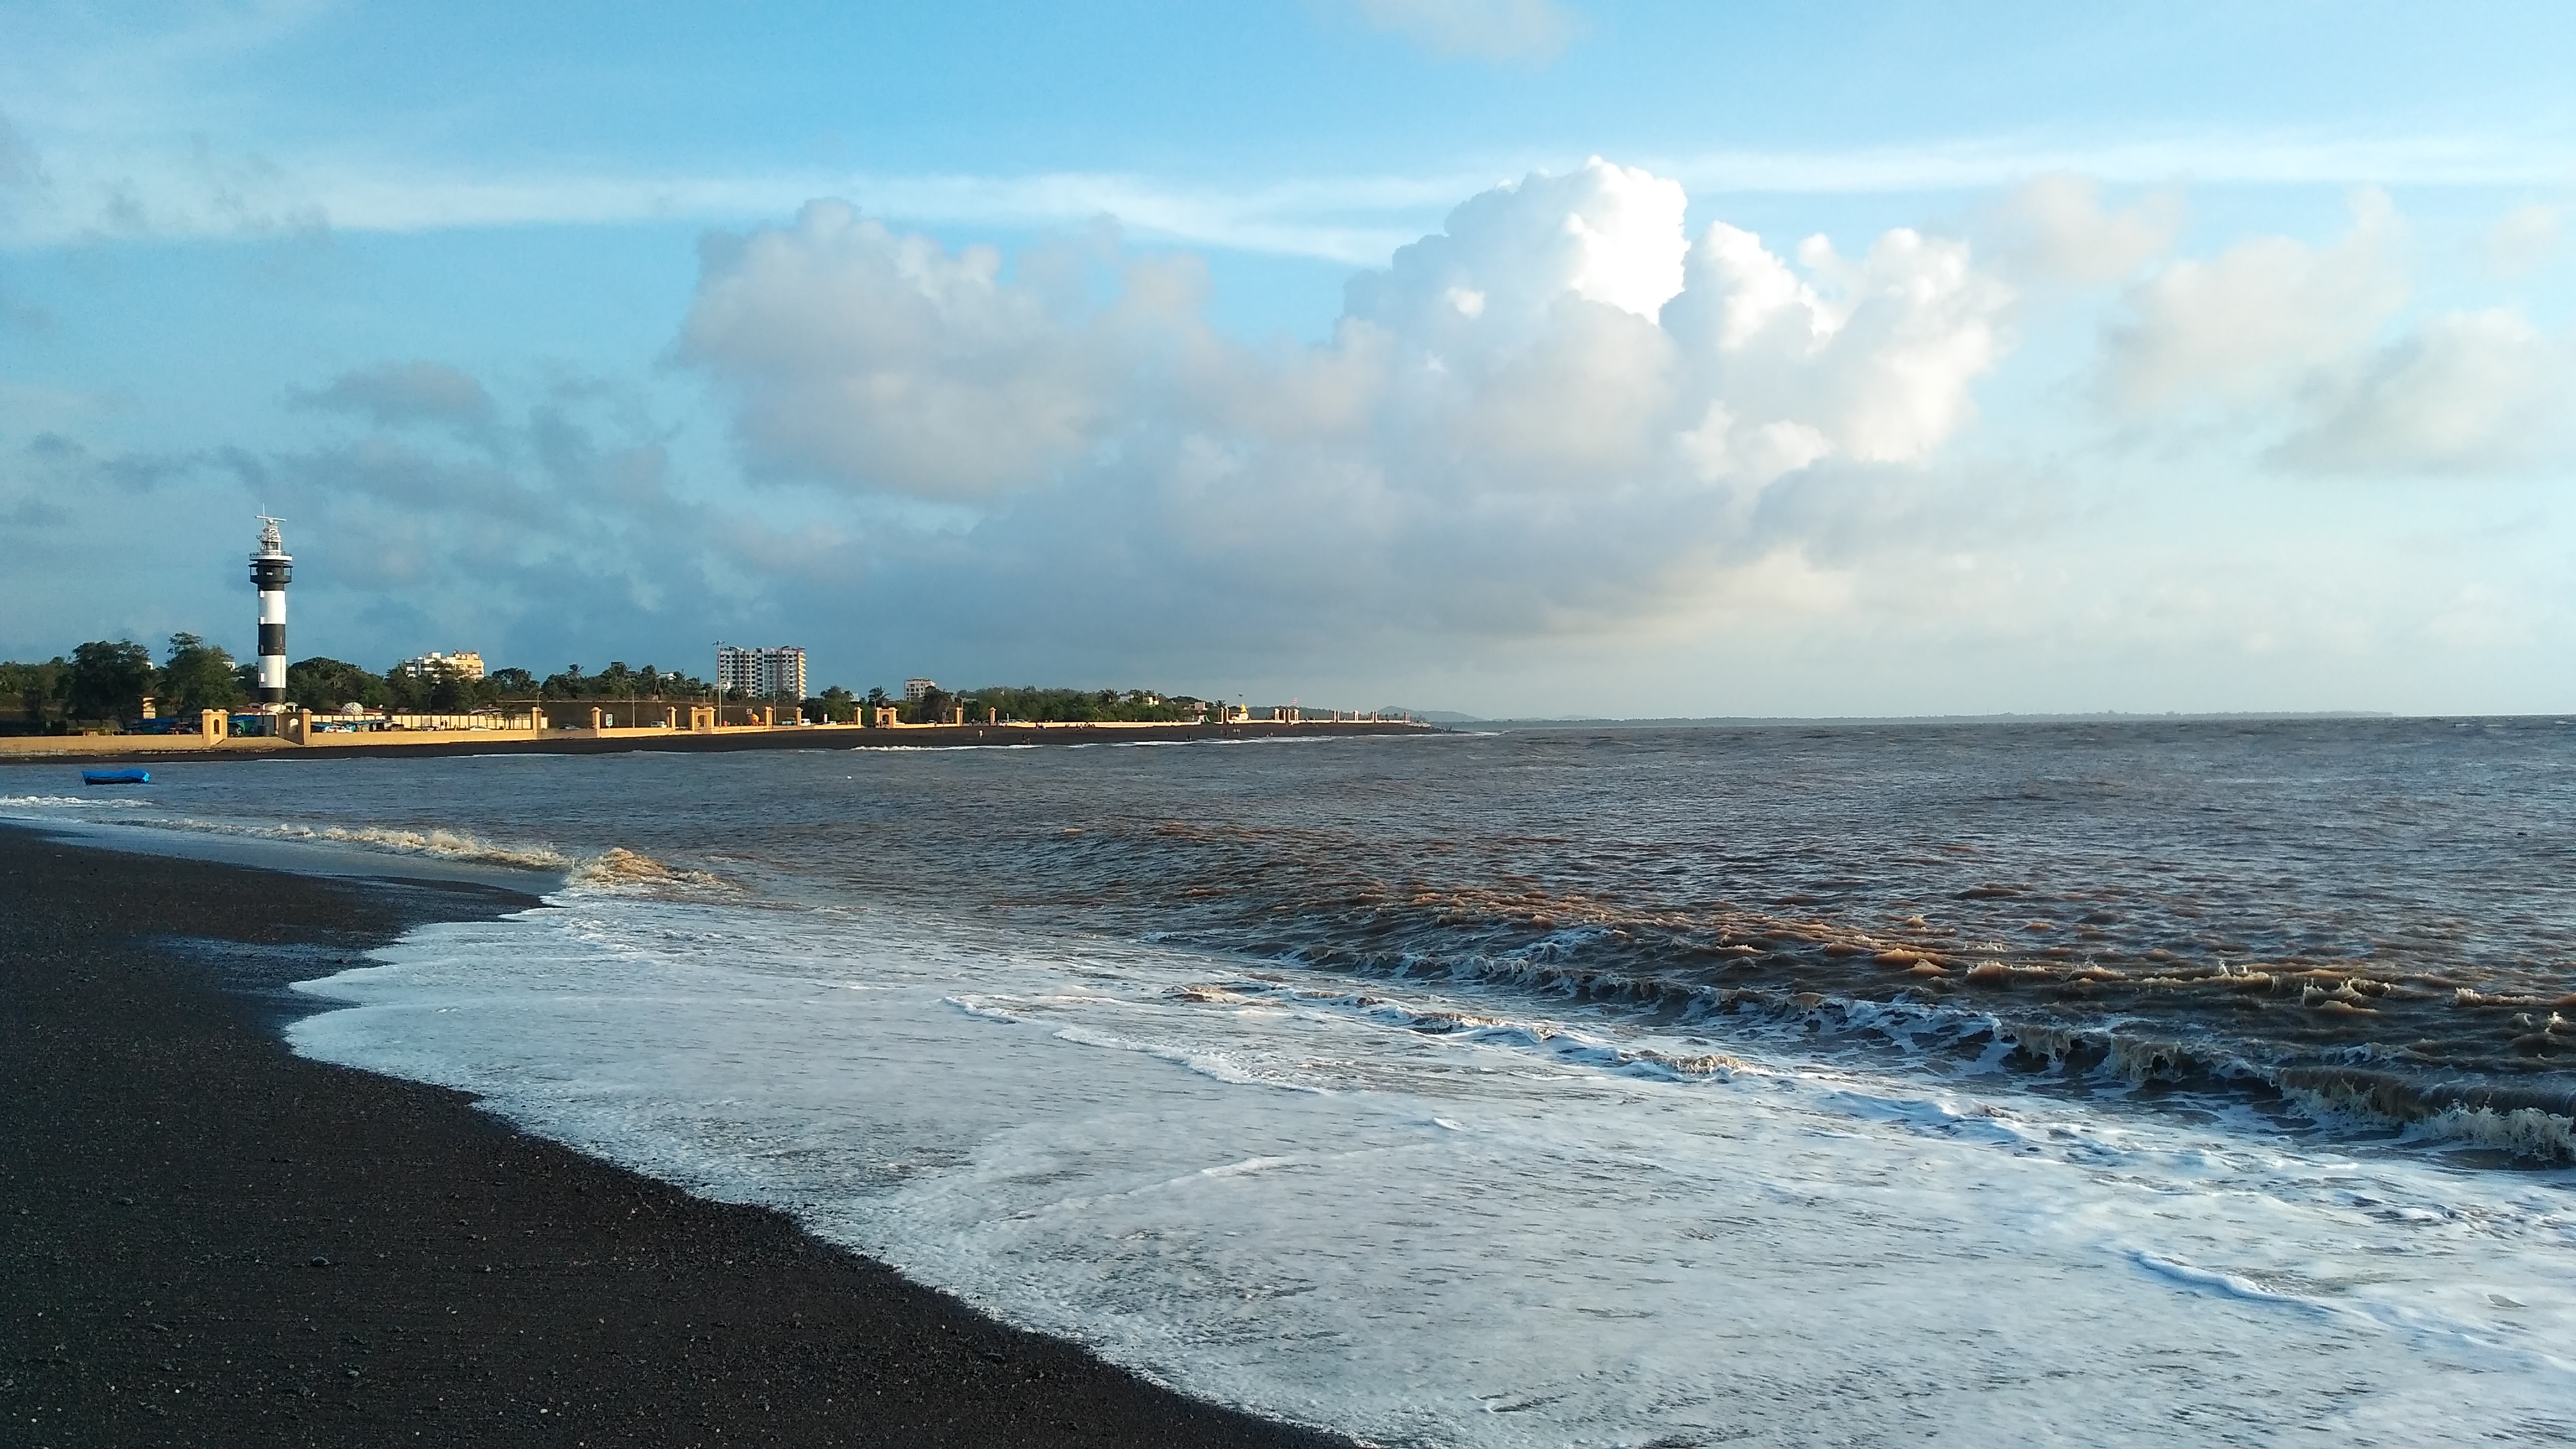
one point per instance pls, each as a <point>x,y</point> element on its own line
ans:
<point>463,664</point>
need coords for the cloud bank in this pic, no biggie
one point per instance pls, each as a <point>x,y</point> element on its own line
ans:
<point>398,393</point>
<point>2310,345</point>
<point>1566,414</point>
<point>1565,426</point>
<point>1560,412</point>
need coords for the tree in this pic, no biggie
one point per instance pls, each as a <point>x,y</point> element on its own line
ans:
<point>35,688</point>
<point>108,680</point>
<point>514,683</point>
<point>441,688</point>
<point>331,684</point>
<point>450,692</point>
<point>198,676</point>
<point>404,690</point>
<point>45,679</point>
<point>835,704</point>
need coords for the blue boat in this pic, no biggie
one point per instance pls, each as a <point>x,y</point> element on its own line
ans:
<point>116,777</point>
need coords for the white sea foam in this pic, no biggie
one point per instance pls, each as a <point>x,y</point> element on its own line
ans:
<point>463,846</point>
<point>619,871</point>
<point>1466,1225</point>
<point>153,827</point>
<point>443,844</point>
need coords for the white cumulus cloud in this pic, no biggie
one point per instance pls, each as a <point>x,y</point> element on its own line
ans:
<point>2527,237</point>
<point>1870,359</point>
<point>2309,353</point>
<point>1607,234</point>
<point>2467,392</point>
<point>2259,319</point>
<point>892,363</point>
<point>1553,412</point>
<point>2056,226</point>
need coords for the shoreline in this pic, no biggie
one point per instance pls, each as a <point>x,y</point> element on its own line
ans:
<point>207,1239</point>
<point>147,749</point>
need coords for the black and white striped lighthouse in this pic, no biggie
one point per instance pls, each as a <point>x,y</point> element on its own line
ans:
<point>269,569</point>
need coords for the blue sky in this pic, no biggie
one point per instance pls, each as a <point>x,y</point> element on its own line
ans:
<point>2153,357</point>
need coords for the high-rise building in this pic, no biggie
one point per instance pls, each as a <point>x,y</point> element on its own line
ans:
<point>914,689</point>
<point>761,673</point>
<point>784,670</point>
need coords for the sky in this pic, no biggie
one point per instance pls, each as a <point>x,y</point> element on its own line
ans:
<point>1514,357</point>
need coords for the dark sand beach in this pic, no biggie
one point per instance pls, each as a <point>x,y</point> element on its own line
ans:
<point>205,1240</point>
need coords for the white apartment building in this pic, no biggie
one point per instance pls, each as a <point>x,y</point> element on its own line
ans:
<point>914,689</point>
<point>463,664</point>
<point>761,673</point>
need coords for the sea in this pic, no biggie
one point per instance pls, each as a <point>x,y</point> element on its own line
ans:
<point>2140,1082</point>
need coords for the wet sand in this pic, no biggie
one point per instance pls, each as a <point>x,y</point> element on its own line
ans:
<point>205,1240</point>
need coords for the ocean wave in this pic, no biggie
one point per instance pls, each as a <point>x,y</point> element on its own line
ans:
<point>460,846</point>
<point>1555,1040</point>
<point>619,871</point>
<point>1389,1203</point>
<point>2008,982</point>
<point>2524,1132</point>
<point>2536,1126</point>
<point>2107,1055</point>
<point>456,845</point>
<point>2229,1285</point>
<point>613,871</point>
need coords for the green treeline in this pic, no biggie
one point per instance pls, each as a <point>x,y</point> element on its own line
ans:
<point>1033,705</point>
<point>329,684</point>
<point>104,683</point>
<point>619,682</point>
<point>108,680</point>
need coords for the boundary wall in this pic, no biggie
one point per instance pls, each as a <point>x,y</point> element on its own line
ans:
<point>145,749</point>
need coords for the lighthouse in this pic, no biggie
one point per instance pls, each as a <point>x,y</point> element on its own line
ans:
<point>269,569</point>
